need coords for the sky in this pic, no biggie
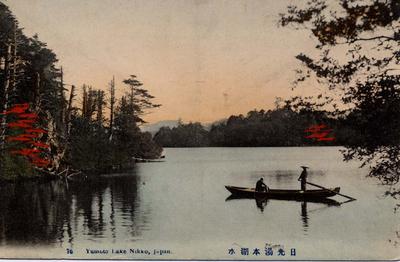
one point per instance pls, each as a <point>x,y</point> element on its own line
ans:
<point>202,60</point>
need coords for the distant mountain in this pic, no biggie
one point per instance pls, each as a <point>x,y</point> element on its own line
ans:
<point>153,128</point>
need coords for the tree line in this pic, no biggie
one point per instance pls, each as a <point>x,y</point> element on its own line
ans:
<point>68,135</point>
<point>282,126</point>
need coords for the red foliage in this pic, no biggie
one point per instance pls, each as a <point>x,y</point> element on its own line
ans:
<point>19,125</point>
<point>318,135</point>
<point>26,121</point>
<point>20,139</point>
<point>29,115</point>
<point>315,128</point>
<point>17,109</point>
<point>40,162</point>
<point>36,130</point>
<point>30,136</point>
<point>26,151</point>
<point>39,144</point>
<point>319,132</point>
<point>326,139</point>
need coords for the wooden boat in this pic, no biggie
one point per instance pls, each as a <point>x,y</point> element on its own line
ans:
<point>283,193</point>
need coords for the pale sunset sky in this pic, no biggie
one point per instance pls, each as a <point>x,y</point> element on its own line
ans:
<point>203,60</point>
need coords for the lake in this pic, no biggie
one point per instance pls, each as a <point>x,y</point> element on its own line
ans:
<point>179,209</point>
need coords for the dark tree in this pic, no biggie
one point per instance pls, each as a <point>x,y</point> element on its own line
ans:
<point>358,62</point>
<point>112,106</point>
<point>139,99</point>
<point>184,135</point>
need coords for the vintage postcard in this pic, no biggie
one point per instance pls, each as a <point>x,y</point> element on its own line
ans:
<point>200,129</point>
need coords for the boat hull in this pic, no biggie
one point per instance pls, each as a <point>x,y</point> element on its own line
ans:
<point>283,193</point>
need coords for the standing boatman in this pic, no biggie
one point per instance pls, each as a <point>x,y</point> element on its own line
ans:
<point>303,178</point>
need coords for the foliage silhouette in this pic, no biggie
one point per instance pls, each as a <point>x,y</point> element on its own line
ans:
<point>358,62</point>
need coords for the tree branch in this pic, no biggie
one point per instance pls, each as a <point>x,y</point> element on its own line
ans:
<point>388,38</point>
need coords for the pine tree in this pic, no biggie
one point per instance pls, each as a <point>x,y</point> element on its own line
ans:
<point>139,99</point>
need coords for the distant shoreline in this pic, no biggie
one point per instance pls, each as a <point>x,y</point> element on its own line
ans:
<point>254,146</point>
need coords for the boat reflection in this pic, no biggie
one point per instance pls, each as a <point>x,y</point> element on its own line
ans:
<point>261,203</point>
<point>327,201</point>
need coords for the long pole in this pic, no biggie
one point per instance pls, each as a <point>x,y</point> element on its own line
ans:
<point>349,197</point>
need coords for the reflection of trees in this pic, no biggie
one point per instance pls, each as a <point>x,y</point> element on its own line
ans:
<point>281,178</point>
<point>89,201</point>
<point>116,195</point>
<point>52,212</point>
<point>34,212</point>
<point>125,200</point>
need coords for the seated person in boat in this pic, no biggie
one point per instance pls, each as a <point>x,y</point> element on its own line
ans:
<point>260,186</point>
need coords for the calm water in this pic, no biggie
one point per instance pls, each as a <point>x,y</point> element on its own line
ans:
<point>181,205</point>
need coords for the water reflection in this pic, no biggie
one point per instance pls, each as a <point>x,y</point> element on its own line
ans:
<point>56,212</point>
<point>261,204</point>
<point>304,215</point>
